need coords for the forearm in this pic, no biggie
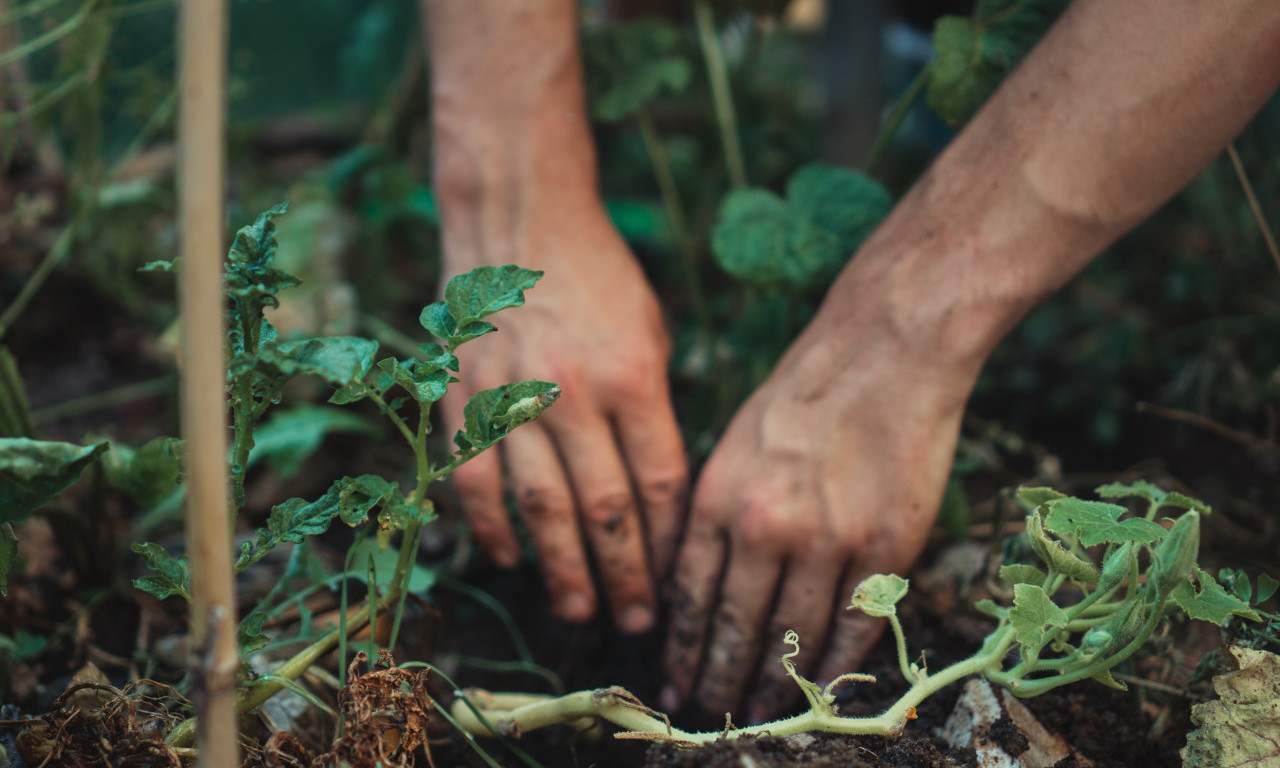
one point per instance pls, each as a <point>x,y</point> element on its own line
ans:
<point>1118,108</point>
<point>511,139</point>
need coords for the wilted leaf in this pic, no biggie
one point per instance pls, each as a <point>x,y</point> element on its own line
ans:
<point>170,575</point>
<point>33,472</point>
<point>1095,522</point>
<point>251,281</point>
<point>289,437</point>
<point>879,593</point>
<point>802,241</point>
<point>1211,602</point>
<point>357,496</point>
<point>1033,615</point>
<point>1242,728</point>
<point>628,65</point>
<point>975,53</point>
<point>1057,556</point>
<point>147,475</point>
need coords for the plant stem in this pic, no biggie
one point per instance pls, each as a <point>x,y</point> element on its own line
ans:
<point>1253,203</point>
<point>395,419</point>
<point>893,121</point>
<point>721,98</point>
<point>674,209</point>
<point>29,289</point>
<point>904,663</point>
<point>129,393</point>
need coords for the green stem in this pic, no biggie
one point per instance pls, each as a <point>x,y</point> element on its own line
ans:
<point>48,38</point>
<point>395,419</point>
<point>893,121</point>
<point>674,209</point>
<point>904,663</point>
<point>111,398</point>
<point>721,99</point>
<point>51,260</point>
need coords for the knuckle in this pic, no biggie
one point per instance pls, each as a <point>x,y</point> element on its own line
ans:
<point>663,491</point>
<point>540,503</point>
<point>611,513</point>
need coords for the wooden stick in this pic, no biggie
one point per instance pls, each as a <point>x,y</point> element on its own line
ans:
<point>201,120</point>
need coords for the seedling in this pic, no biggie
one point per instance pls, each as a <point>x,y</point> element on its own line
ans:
<point>1045,635</point>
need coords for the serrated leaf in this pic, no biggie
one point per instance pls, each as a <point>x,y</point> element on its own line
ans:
<point>250,634</point>
<point>1242,728</point>
<point>974,53</point>
<point>1021,573</point>
<point>628,65</point>
<point>8,555</point>
<point>170,575</point>
<point>289,437</point>
<point>1034,497</point>
<point>803,241</point>
<point>1055,555</point>
<point>1266,587</point>
<point>146,475</point>
<point>1211,603</point>
<point>1033,615</point>
<point>1096,522</point>
<point>33,472</point>
<point>879,593</point>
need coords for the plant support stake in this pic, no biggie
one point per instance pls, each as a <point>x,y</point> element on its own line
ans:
<point>203,42</point>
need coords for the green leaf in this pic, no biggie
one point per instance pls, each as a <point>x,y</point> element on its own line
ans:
<point>8,555</point>
<point>170,575</point>
<point>991,608</point>
<point>289,437</point>
<point>1212,603</point>
<point>398,516</point>
<point>385,559</point>
<point>23,646</point>
<point>1033,615</point>
<point>357,496</point>
<point>250,634</point>
<point>628,65</point>
<point>1175,499</point>
<point>1095,522</point>
<point>1034,497</point>
<point>425,381</point>
<point>251,281</point>
<point>879,593</point>
<point>471,297</point>
<point>1266,587</point>
<point>1241,728</point>
<point>1140,489</point>
<point>1020,573</point>
<point>292,521</point>
<point>33,472</point>
<point>146,475</point>
<point>974,53</point>
<point>803,241</point>
<point>1055,555</point>
<point>339,360</point>
<point>492,413</point>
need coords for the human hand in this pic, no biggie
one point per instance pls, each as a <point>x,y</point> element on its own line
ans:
<point>605,466</point>
<point>832,470</point>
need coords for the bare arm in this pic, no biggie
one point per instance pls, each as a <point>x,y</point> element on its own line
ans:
<point>515,172</point>
<point>834,469</point>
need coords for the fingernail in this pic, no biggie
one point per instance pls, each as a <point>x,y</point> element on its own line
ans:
<point>575,607</point>
<point>506,558</point>
<point>636,618</point>
<point>669,698</point>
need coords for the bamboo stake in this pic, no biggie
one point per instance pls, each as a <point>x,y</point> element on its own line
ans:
<point>201,117</point>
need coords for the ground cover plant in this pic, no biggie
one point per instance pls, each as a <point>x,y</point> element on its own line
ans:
<point>710,166</point>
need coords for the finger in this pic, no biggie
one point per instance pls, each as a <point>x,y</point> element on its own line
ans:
<point>610,518</point>
<point>697,576</point>
<point>853,635</point>
<point>655,455</point>
<point>546,504</point>
<point>804,605</point>
<point>734,647</point>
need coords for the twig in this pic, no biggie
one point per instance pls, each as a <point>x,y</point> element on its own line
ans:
<point>893,121</point>
<point>98,401</point>
<point>1253,204</point>
<point>721,98</point>
<point>1222,430</point>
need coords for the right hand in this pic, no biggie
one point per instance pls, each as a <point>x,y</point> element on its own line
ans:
<point>604,467</point>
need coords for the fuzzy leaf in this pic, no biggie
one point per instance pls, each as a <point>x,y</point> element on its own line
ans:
<point>1211,603</point>
<point>289,437</point>
<point>1033,615</point>
<point>1057,556</point>
<point>33,472</point>
<point>879,593</point>
<point>147,475</point>
<point>1034,497</point>
<point>250,634</point>
<point>1096,522</point>
<point>803,241</point>
<point>170,575</point>
<point>1176,555</point>
<point>1021,573</point>
<point>8,555</point>
<point>974,53</point>
<point>1241,729</point>
<point>628,65</point>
